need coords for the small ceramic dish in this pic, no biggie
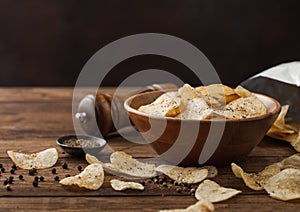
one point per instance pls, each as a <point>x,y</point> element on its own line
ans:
<point>79,145</point>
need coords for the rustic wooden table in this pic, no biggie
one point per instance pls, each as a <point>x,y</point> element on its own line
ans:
<point>33,118</point>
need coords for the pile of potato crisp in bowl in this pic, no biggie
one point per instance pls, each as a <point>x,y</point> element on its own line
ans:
<point>231,122</point>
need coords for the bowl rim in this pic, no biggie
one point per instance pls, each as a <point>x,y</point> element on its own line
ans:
<point>129,109</point>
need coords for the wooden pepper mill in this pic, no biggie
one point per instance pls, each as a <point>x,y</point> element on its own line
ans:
<point>104,108</point>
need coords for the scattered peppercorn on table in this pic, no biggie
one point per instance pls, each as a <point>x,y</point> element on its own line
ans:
<point>33,118</point>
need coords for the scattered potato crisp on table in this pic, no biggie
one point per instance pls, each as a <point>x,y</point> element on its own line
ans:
<point>212,171</point>
<point>106,166</point>
<point>184,175</point>
<point>130,166</point>
<point>119,185</point>
<point>40,160</point>
<point>92,177</point>
<point>200,206</point>
<point>213,192</point>
<point>124,165</point>
<point>266,178</point>
<point>251,180</point>
<point>284,185</point>
<point>291,162</point>
<point>282,131</point>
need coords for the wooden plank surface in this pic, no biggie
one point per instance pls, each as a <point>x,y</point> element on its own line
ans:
<point>33,118</point>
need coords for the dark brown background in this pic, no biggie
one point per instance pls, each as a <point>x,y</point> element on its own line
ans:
<point>47,42</point>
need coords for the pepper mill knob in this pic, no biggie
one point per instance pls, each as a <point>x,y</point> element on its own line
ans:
<point>108,111</point>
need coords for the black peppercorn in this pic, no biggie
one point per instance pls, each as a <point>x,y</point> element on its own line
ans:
<point>35,183</point>
<point>42,178</point>
<point>161,181</point>
<point>31,172</point>
<point>8,188</point>
<point>5,182</point>
<point>21,177</point>
<point>14,166</point>
<point>56,178</point>
<point>53,171</point>
<point>64,165</point>
<point>79,168</point>
<point>178,190</point>
<point>177,183</point>
<point>2,169</point>
<point>10,180</point>
<point>165,184</point>
<point>1,165</point>
<point>36,178</point>
<point>12,171</point>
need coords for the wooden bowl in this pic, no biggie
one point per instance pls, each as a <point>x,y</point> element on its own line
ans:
<point>239,137</point>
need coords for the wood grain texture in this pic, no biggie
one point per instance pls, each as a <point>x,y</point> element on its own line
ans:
<point>33,118</point>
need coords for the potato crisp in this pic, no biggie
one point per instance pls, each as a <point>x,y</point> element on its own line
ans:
<point>183,175</point>
<point>213,192</point>
<point>284,185</point>
<point>40,160</point>
<point>119,185</point>
<point>200,206</point>
<point>281,180</point>
<point>92,177</point>
<point>282,131</point>
<point>125,166</point>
